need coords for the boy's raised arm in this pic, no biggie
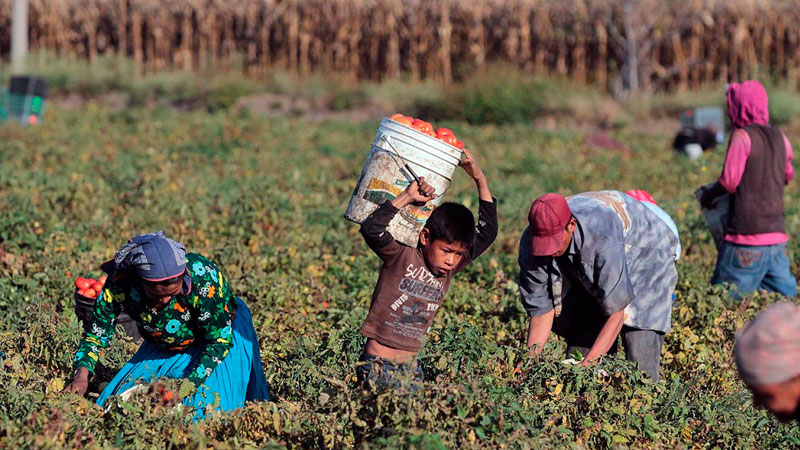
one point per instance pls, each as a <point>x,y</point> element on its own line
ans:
<point>373,229</point>
<point>470,165</point>
<point>487,211</point>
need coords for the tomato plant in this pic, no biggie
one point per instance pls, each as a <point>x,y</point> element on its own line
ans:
<point>263,200</point>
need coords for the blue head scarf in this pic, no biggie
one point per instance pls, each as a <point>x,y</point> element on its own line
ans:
<point>150,257</point>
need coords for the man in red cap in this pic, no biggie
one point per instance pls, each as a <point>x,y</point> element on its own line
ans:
<point>596,266</point>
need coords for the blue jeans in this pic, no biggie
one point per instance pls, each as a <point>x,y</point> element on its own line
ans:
<point>750,267</point>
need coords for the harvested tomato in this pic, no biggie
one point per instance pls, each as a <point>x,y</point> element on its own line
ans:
<point>459,144</point>
<point>102,279</point>
<point>396,116</point>
<point>97,286</point>
<point>423,126</point>
<point>82,283</point>
<point>91,293</point>
<point>449,139</point>
<point>407,121</point>
<point>444,132</point>
<point>82,293</point>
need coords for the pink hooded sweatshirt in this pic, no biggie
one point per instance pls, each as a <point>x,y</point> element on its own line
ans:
<point>747,105</point>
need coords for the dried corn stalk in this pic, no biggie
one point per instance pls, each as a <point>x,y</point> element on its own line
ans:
<point>622,44</point>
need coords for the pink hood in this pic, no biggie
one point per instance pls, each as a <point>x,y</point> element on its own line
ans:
<point>748,104</point>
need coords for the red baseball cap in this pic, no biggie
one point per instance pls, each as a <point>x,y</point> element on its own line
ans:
<point>548,217</point>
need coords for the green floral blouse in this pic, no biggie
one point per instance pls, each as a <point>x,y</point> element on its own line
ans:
<point>204,315</point>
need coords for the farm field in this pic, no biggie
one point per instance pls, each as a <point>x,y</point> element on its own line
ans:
<point>264,198</point>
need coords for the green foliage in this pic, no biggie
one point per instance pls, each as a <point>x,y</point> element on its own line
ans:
<point>500,95</point>
<point>109,74</point>
<point>264,199</point>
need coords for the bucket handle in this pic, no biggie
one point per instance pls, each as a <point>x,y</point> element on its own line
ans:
<point>405,163</point>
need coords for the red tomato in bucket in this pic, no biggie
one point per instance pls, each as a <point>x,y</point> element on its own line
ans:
<point>422,126</point>
<point>91,293</point>
<point>459,144</point>
<point>396,116</point>
<point>407,121</point>
<point>441,132</point>
<point>97,286</point>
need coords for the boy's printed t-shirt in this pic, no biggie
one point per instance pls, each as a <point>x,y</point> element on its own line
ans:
<point>407,295</point>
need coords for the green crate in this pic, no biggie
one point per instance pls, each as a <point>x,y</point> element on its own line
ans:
<point>27,109</point>
<point>3,105</point>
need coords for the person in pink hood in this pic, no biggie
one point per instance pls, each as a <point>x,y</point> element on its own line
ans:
<point>757,167</point>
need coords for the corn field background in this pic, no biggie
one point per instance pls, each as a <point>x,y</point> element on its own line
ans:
<point>622,45</point>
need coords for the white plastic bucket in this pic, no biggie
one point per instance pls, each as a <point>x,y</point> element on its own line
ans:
<point>384,176</point>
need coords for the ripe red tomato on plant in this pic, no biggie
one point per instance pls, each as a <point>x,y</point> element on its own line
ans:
<point>82,283</point>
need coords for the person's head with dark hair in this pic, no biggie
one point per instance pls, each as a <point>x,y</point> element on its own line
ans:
<point>447,236</point>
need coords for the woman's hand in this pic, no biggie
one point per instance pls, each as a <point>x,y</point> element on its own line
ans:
<point>708,195</point>
<point>80,382</point>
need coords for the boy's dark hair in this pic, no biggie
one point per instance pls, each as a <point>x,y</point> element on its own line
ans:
<point>453,223</point>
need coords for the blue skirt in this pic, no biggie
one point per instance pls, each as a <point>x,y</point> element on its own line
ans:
<point>237,379</point>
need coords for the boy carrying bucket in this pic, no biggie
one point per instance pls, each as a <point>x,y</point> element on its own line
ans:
<point>413,281</point>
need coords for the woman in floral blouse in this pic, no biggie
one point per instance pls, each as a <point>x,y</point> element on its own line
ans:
<point>193,326</point>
